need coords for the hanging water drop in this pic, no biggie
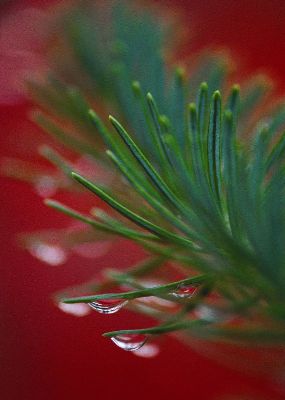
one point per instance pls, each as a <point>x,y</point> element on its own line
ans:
<point>109,306</point>
<point>185,291</point>
<point>130,342</point>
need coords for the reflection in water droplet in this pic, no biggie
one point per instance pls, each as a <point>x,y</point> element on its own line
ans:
<point>92,249</point>
<point>185,291</point>
<point>48,253</point>
<point>129,342</point>
<point>212,314</point>
<point>149,350</point>
<point>45,186</point>
<point>108,306</point>
<point>78,310</point>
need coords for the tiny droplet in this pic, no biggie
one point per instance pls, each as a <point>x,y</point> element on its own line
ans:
<point>131,342</point>
<point>109,306</point>
<point>185,291</point>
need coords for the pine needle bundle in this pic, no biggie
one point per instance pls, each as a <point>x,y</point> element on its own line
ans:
<point>198,176</point>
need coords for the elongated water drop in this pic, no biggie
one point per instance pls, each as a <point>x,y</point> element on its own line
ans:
<point>185,291</point>
<point>109,306</point>
<point>129,342</point>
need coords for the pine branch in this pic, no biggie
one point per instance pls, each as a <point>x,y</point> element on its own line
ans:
<point>205,168</point>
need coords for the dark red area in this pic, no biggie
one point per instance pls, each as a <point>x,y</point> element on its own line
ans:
<point>46,354</point>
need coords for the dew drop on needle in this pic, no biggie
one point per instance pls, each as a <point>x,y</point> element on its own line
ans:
<point>185,291</point>
<point>130,342</point>
<point>109,306</point>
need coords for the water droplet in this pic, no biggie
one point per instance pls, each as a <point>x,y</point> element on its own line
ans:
<point>49,253</point>
<point>78,310</point>
<point>46,186</point>
<point>109,306</point>
<point>149,350</point>
<point>92,249</point>
<point>130,342</point>
<point>185,291</point>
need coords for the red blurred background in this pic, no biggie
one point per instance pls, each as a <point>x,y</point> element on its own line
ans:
<point>46,354</point>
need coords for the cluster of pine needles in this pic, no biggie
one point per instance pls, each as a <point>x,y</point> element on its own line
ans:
<point>198,171</point>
